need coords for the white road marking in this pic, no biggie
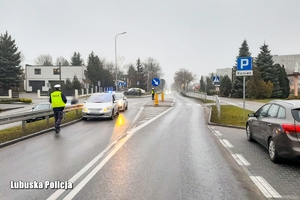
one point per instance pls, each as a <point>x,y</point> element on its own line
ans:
<point>265,187</point>
<point>234,104</point>
<point>188,104</point>
<point>227,143</point>
<point>116,146</point>
<point>237,159</point>
<point>240,159</point>
<point>179,104</point>
<point>223,143</point>
<point>218,133</point>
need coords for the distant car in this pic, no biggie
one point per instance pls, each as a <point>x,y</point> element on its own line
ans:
<point>100,105</point>
<point>122,101</point>
<point>134,91</point>
<point>276,126</point>
<point>38,107</point>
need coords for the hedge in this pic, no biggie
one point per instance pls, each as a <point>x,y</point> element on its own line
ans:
<point>13,100</point>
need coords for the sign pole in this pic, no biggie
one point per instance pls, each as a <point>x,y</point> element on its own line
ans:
<point>244,96</point>
<point>244,91</point>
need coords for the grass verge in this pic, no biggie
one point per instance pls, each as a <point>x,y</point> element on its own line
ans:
<point>230,115</point>
<point>205,100</point>
<point>33,127</point>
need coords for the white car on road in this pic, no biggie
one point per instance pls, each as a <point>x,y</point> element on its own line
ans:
<point>100,105</point>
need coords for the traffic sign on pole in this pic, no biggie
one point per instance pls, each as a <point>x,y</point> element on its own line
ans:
<point>244,66</point>
<point>155,81</point>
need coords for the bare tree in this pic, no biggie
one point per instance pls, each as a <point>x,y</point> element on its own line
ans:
<point>183,77</point>
<point>44,59</point>
<point>152,70</point>
<point>62,60</point>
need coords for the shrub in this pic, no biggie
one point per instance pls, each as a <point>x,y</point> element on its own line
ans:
<point>12,100</point>
<point>26,100</point>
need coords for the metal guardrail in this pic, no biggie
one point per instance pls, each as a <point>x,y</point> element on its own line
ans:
<point>34,114</point>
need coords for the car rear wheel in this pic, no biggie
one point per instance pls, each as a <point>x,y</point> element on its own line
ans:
<point>84,118</point>
<point>249,134</point>
<point>273,151</point>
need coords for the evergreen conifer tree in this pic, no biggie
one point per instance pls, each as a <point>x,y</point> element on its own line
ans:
<point>237,85</point>
<point>10,59</point>
<point>284,82</point>
<point>264,62</point>
<point>76,84</point>
<point>76,59</point>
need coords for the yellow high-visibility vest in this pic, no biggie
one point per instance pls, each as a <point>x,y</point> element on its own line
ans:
<point>56,99</point>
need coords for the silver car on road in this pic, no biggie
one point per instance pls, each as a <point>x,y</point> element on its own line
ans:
<point>100,105</point>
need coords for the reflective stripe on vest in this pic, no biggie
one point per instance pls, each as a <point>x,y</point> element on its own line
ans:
<point>152,92</point>
<point>56,100</point>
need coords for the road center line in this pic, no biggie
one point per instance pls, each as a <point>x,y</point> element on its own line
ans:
<point>113,148</point>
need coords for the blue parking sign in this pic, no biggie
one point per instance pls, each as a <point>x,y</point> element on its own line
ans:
<point>244,63</point>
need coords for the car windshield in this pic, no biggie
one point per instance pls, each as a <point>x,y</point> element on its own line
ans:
<point>41,106</point>
<point>118,96</point>
<point>99,98</point>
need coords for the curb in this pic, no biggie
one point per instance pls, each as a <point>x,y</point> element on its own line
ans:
<point>215,124</point>
<point>8,143</point>
<point>223,125</point>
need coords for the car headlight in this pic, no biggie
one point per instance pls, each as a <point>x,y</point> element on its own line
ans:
<point>84,109</point>
<point>120,103</point>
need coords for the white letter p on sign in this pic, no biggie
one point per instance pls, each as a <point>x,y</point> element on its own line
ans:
<point>244,62</point>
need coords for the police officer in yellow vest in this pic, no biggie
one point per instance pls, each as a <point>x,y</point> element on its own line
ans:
<point>153,93</point>
<point>58,101</point>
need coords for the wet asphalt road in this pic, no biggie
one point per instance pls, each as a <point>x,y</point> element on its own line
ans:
<point>174,157</point>
<point>51,157</point>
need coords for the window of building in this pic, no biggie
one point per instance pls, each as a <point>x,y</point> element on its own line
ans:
<point>56,71</point>
<point>37,71</point>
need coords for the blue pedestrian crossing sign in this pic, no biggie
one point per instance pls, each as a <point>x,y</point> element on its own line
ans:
<point>125,84</point>
<point>216,80</point>
<point>155,81</point>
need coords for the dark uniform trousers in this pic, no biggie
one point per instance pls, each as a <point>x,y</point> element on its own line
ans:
<point>58,116</point>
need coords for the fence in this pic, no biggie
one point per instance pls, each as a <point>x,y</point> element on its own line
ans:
<point>200,95</point>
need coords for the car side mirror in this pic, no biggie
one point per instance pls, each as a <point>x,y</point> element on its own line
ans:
<point>85,101</point>
<point>251,115</point>
<point>115,101</point>
<point>124,98</point>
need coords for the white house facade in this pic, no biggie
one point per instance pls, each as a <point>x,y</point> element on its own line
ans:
<point>39,77</point>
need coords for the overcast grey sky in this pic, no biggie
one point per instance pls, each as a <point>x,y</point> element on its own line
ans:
<point>199,35</point>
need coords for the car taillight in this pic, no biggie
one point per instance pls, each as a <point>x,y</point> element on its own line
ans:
<point>290,128</point>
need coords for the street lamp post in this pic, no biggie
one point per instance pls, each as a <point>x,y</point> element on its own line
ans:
<point>116,59</point>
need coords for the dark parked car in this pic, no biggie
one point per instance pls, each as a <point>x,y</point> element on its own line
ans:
<point>40,106</point>
<point>276,126</point>
<point>134,91</point>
